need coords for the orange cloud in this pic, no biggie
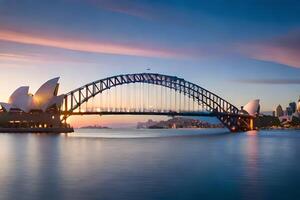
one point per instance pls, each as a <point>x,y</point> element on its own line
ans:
<point>85,46</point>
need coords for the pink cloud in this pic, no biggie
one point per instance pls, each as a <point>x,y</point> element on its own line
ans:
<point>87,46</point>
<point>277,54</point>
<point>9,59</point>
<point>283,50</point>
<point>269,81</point>
<point>15,57</point>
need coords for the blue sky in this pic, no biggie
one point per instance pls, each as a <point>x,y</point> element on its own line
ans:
<point>240,50</point>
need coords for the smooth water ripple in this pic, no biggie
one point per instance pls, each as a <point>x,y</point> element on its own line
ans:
<point>151,164</point>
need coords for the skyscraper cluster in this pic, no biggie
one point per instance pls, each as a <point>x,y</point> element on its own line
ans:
<point>292,110</point>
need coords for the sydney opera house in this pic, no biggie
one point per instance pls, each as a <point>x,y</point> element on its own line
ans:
<point>35,111</point>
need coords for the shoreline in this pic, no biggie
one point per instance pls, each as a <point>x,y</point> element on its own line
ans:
<point>280,128</point>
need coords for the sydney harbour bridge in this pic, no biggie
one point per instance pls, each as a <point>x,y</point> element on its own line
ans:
<point>152,94</point>
<point>127,94</point>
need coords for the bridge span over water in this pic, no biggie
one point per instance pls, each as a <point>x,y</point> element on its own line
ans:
<point>152,94</point>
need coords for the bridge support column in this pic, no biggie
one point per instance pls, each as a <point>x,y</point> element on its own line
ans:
<point>251,125</point>
<point>237,123</point>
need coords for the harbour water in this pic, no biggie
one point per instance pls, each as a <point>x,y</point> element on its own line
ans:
<point>151,164</point>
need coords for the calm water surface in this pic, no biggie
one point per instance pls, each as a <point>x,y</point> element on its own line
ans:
<point>150,164</point>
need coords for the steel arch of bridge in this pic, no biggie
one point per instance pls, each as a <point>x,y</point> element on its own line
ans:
<point>227,113</point>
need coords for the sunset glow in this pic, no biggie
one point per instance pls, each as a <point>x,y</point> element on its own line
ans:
<point>86,46</point>
<point>214,45</point>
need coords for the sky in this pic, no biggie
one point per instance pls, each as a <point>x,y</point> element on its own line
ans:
<point>240,50</point>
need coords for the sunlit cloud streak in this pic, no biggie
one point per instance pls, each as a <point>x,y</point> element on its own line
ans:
<point>15,57</point>
<point>283,50</point>
<point>131,8</point>
<point>87,46</point>
<point>23,59</point>
<point>269,81</point>
<point>149,11</point>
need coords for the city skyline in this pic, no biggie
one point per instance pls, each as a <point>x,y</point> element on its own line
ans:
<point>239,50</point>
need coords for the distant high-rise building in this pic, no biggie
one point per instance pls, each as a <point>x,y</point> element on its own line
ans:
<point>279,111</point>
<point>298,107</point>
<point>293,106</point>
<point>289,111</point>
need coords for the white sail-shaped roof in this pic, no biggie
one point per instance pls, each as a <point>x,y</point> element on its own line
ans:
<point>56,101</point>
<point>20,99</point>
<point>5,106</point>
<point>44,98</point>
<point>44,94</point>
<point>252,107</point>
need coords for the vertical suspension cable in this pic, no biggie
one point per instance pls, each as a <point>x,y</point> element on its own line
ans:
<point>179,100</point>
<point>157,98</point>
<point>148,99</point>
<point>106,100</point>
<point>109,99</point>
<point>100,100</point>
<point>103,99</point>
<point>132,97</point>
<point>175,97</point>
<point>161,99</point>
<point>170,98</point>
<point>184,101</point>
<point>120,95</point>
<point>136,96</point>
<point>141,97</point>
<point>116,102</point>
<point>193,103</point>
<point>189,103</point>
<point>121,98</point>
<point>126,96</point>
<point>92,103</point>
<point>86,104</point>
<point>166,99</point>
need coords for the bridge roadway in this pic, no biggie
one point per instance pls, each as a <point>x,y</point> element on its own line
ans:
<point>171,113</point>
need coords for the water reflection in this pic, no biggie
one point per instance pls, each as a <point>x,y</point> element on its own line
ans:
<point>184,165</point>
<point>252,185</point>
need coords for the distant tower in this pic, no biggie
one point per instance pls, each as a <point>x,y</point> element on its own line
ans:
<point>289,111</point>
<point>298,107</point>
<point>279,111</point>
<point>293,106</point>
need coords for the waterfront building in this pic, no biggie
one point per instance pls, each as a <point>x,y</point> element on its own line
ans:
<point>45,98</point>
<point>279,111</point>
<point>39,110</point>
<point>252,107</point>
